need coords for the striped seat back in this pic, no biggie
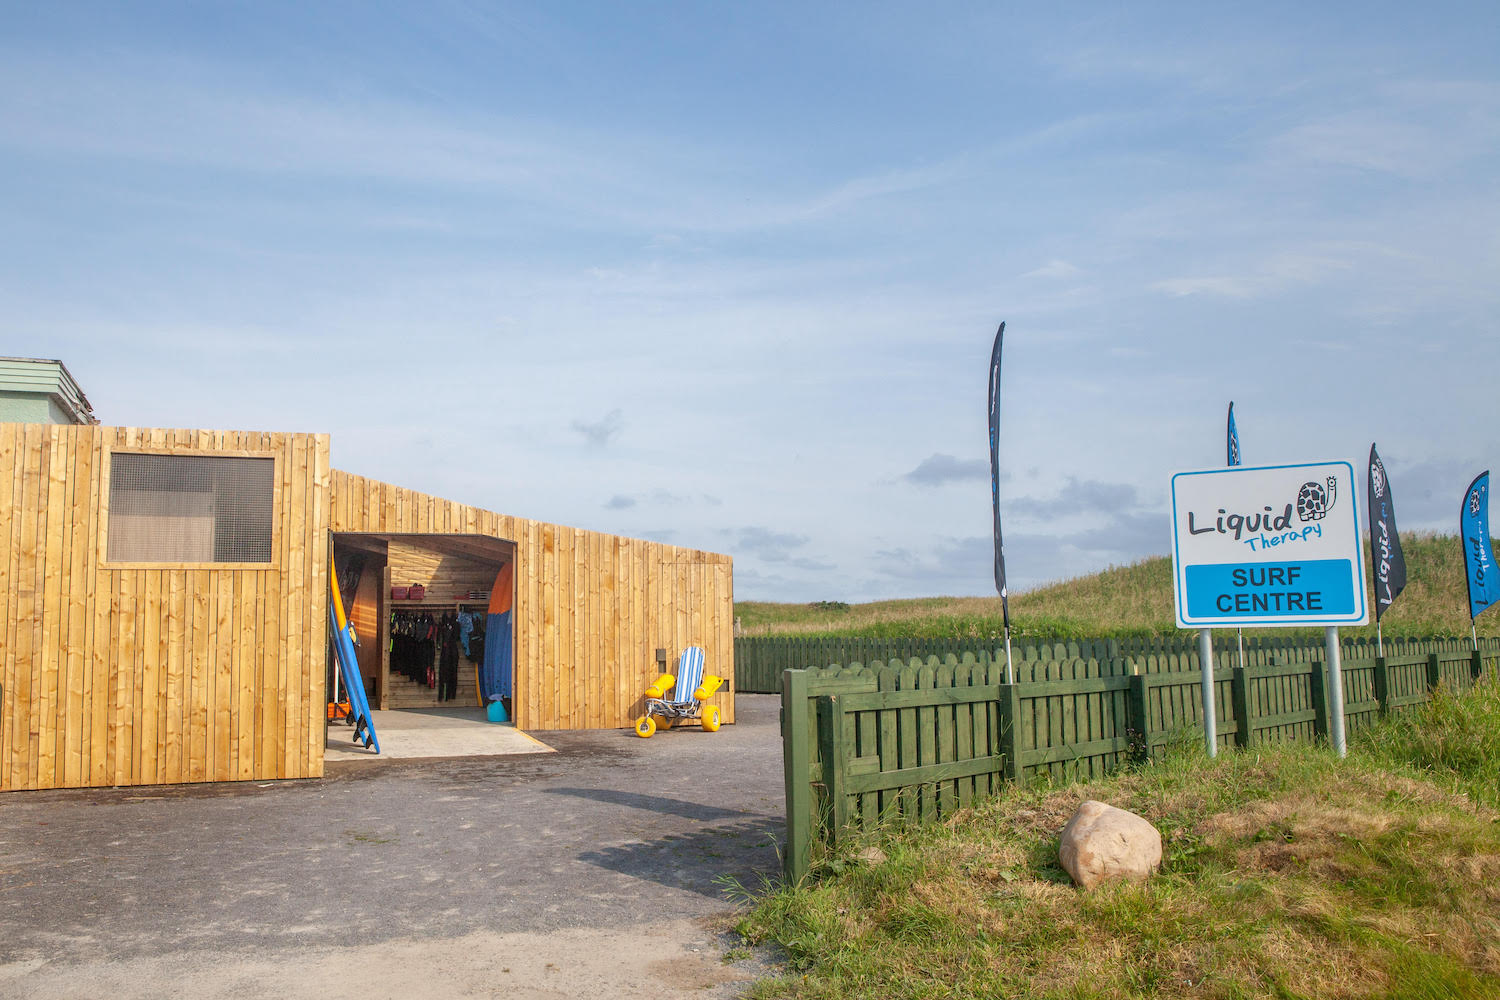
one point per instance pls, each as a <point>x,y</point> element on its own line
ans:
<point>689,673</point>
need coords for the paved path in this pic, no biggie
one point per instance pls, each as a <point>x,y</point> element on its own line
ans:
<point>464,877</point>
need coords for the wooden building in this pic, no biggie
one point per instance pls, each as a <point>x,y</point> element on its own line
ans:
<point>166,598</point>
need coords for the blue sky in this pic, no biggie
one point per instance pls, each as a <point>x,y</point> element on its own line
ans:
<point>727,275</point>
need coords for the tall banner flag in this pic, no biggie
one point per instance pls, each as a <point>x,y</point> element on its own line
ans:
<point>994,414</point>
<point>1386,560</point>
<point>1232,435</point>
<point>1232,454</point>
<point>1479,559</point>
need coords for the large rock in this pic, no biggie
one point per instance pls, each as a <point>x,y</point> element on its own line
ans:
<point>1101,842</point>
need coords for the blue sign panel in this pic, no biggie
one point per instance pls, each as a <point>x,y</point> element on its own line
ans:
<point>1312,590</point>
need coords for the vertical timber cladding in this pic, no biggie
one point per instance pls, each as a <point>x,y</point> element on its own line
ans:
<point>590,609</point>
<point>130,673</point>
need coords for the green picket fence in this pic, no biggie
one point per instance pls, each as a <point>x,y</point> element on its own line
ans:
<point>913,741</point>
<point>759,662</point>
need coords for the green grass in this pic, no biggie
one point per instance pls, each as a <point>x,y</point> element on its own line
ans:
<point>1134,600</point>
<point>1287,874</point>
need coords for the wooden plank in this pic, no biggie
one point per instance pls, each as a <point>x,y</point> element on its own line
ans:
<point>131,669</point>
<point>799,825</point>
<point>963,735</point>
<point>924,775</point>
<point>11,463</point>
<point>315,698</point>
<point>174,633</point>
<point>1012,721</point>
<point>79,542</point>
<point>946,722</point>
<point>27,677</point>
<point>195,762</point>
<point>1072,752</point>
<point>150,714</point>
<point>53,622</point>
<point>1068,672</point>
<point>298,658</point>
<point>907,741</point>
<point>884,700</point>
<point>832,752</point>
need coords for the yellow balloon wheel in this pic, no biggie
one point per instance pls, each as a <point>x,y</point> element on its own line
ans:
<point>711,719</point>
<point>645,726</point>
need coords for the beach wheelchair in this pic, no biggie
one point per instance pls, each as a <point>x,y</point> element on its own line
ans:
<point>692,689</point>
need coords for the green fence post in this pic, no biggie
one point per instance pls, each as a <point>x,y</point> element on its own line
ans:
<point>1138,707</point>
<point>1383,685</point>
<point>796,763</point>
<point>1010,733</point>
<point>1434,673</point>
<point>1476,666</point>
<point>831,749</point>
<point>1239,696</point>
<point>1318,685</point>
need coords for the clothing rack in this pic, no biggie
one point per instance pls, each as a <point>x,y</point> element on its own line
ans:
<point>426,605</point>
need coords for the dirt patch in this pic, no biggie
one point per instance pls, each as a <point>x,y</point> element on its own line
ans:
<point>678,958</point>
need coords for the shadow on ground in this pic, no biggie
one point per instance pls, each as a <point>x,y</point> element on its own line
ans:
<point>651,803</point>
<point>712,861</point>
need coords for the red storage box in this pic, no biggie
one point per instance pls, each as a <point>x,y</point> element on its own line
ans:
<point>399,593</point>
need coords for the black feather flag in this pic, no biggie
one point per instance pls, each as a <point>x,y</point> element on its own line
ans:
<point>1386,560</point>
<point>994,408</point>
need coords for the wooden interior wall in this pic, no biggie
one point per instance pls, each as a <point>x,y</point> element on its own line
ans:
<point>364,615</point>
<point>591,609</point>
<point>445,577</point>
<point>130,675</point>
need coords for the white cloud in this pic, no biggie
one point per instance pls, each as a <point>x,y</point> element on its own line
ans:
<point>1053,269</point>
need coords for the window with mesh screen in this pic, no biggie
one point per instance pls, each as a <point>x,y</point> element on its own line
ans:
<point>190,508</point>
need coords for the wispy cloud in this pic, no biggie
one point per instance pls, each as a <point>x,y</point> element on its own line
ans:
<point>776,547</point>
<point>601,432</point>
<point>1271,276</point>
<point>1053,269</point>
<point>938,470</point>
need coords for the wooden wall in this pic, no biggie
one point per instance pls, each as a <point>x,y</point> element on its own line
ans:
<point>591,609</point>
<point>142,674</point>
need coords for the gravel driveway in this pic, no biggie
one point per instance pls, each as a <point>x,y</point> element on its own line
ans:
<point>595,870</point>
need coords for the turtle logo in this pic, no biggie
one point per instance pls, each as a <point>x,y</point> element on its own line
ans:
<point>1475,496</point>
<point>1377,481</point>
<point>1314,502</point>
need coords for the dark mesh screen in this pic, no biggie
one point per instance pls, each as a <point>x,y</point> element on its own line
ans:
<point>190,508</point>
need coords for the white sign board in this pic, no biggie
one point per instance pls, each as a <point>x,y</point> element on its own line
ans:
<point>1268,546</point>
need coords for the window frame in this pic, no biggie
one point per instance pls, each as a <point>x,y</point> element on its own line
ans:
<point>277,494</point>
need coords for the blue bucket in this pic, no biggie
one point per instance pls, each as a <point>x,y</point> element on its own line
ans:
<point>496,711</point>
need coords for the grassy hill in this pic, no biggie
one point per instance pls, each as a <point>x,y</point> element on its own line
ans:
<point>1124,600</point>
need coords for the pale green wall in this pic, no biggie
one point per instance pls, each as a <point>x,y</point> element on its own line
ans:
<point>30,408</point>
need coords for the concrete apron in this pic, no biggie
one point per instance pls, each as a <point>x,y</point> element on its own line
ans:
<point>432,732</point>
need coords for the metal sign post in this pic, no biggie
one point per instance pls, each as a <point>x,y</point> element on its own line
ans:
<point>1335,689</point>
<point>1274,546</point>
<point>1206,661</point>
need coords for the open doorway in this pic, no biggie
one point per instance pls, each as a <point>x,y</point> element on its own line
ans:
<point>421,608</point>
